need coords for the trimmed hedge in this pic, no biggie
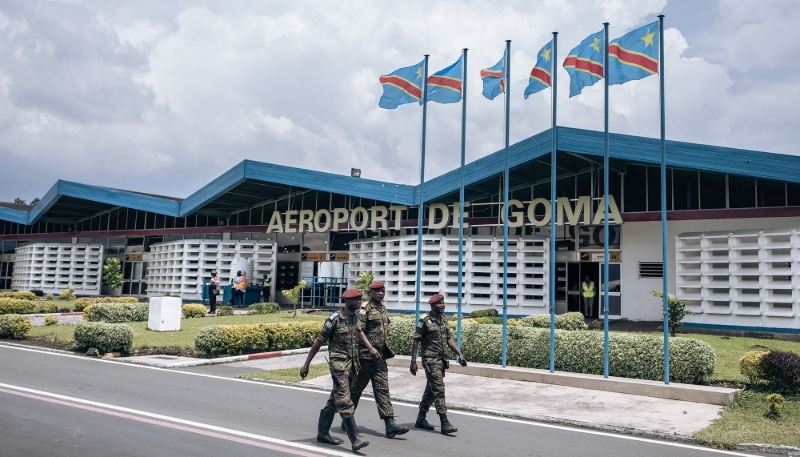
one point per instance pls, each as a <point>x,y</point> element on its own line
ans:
<point>750,365</point>
<point>116,312</point>
<point>630,356</point>
<point>24,306</point>
<point>104,337</point>
<point>14,326</point>
<point>264,308</point>
<point>51,320</point>
<point>194,310</point>
<point>67,294</point>
<point>782,367</point>
<point>566,321</point>
<point>81,303</point>
<point>18,295</point>
<point>224,311</point>
<point>488,312</point>
<point>243,339</point>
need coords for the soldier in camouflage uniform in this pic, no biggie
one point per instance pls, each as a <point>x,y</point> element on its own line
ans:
<point>433,334</point>
<point>342,331</point>
<point>375,320</point>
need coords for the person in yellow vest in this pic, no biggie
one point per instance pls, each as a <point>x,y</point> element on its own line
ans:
<point>587,291</point>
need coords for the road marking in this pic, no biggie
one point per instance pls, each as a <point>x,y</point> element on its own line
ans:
<point>200,428</point>
<point>410,405</point>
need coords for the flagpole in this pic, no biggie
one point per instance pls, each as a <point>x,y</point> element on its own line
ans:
<point>605,205</point>
<point>553,153</point>
<point>507,81</point>
<point>461,191</point>
<point>421,205</point>
<point>663,196</point>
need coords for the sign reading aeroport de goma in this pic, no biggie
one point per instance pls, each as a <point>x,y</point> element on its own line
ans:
<point>381,217</point>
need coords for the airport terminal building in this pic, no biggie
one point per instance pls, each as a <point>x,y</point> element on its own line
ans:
<point>733,232</point>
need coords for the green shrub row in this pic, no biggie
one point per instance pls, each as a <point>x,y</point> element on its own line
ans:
<point>630,356</point>
<point>264,308</point>
<point>81,303</point>
<point>18,295</point>
<point>780,368</point>
<point>104,337</point>
<point>224,311</point>
<point>14,326</point>
<point>566,321</point>
<point>488,312</point>
<point>193,310</point>
<point>24,306</point>
<point>116,312</point>
<point>244,339</point>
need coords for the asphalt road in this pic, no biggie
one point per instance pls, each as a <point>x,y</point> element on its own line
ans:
<point>62,405</point>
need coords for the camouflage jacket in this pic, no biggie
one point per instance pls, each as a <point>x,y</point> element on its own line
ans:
<point>432,335</point>
<point>341,335</point>
<point>375,325</point>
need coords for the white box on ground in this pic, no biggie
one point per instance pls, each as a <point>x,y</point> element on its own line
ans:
<point>165,314</point>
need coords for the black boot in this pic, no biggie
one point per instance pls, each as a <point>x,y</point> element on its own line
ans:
<point>344,429</point>
<point>422,422</point>
<point>324,428</point>
<point>393,429</point>
<point>447,427</point>
<point>352,433</point>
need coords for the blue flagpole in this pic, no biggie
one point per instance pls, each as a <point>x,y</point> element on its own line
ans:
<point>605,207</point>
<point>664,196</point>
<point>421,205</point>
<point>507,81</point>
<point>461,191</point>
<point>553,151</point>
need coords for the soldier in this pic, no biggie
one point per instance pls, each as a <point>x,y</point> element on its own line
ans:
<point>433,334</point>
<point>373,366</point>
<point>342,330</point>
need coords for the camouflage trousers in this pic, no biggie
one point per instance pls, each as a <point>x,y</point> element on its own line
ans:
<point>378,373</point>
<point>340,400</point>
<point>434,390</point>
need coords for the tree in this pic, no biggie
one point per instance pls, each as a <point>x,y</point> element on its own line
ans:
<point>35,201</point>
<point>676,310</point>
<point>19,201</point>
<point>293,294</point>
<point>365,278</point>
<point>112,273</point>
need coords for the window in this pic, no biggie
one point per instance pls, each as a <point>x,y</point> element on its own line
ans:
<point>793,192</point>
<point>741,192</point>
<point>635,183</point>
<point>770,193</point>
<point>651,270</point>
<point>685,189</point>
<point>712,191</point>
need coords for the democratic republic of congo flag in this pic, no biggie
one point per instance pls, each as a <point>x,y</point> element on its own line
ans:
<point>402,86</point>
<point>493,83</point>
<point>540,75</point>
<point>585,63</point>
<point>633,55</point>
<point>444,86</point>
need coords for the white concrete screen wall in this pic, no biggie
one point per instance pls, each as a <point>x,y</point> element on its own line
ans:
<point>53,267</point>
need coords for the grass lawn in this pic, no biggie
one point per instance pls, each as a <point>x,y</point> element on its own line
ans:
<point>744,422</point>
<point>183,338</point>
<point>289,374</point>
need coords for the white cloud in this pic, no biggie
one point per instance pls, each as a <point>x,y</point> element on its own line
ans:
<point>162,98</point>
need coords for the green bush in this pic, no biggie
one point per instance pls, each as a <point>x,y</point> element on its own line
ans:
<point>14,326</point>
<point>194,310</point>
<point>630,356</point>
<point>244,339</point>
<point>750,366</point>
<point>67,294</point>
<point>17,306</point>
<point>81,303</point>
<point>46,308</point>
<point>225,311</point>
<point>488,312</point>
<point>775,405</point>
<point>104,337</point>
<point>264,308</point>
<point>18,295</point>
<point>51,320</point>
<point>782,367</point>
<point>49,297</point>
<point>116,312</point>
<point>567,321</point>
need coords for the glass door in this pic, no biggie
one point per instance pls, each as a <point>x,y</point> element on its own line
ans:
<point>614,290</point>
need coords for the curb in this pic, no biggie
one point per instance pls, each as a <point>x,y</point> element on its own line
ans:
<point>38,348</point>
<point>222,360</point>
<point>72,313</point>
<point>769,449</point>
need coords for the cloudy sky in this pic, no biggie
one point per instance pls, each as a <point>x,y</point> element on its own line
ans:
<point>162,97</point>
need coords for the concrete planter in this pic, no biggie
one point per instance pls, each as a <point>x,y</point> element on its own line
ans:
<point>165,314</point>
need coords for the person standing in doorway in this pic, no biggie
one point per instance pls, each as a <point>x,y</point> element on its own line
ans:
<point>373,366</point>
<point>588,292</point>
<point>433,335</point>
<point>342,331</point>
<point>213,287</point>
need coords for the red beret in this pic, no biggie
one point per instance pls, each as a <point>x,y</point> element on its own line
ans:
<point>352,293</point>
<point>377,285</point>
<point>436,299</point>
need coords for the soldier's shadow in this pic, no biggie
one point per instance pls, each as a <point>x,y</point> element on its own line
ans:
<point>382,433</point>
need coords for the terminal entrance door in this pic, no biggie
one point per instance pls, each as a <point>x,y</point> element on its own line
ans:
<point>576,273</point>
